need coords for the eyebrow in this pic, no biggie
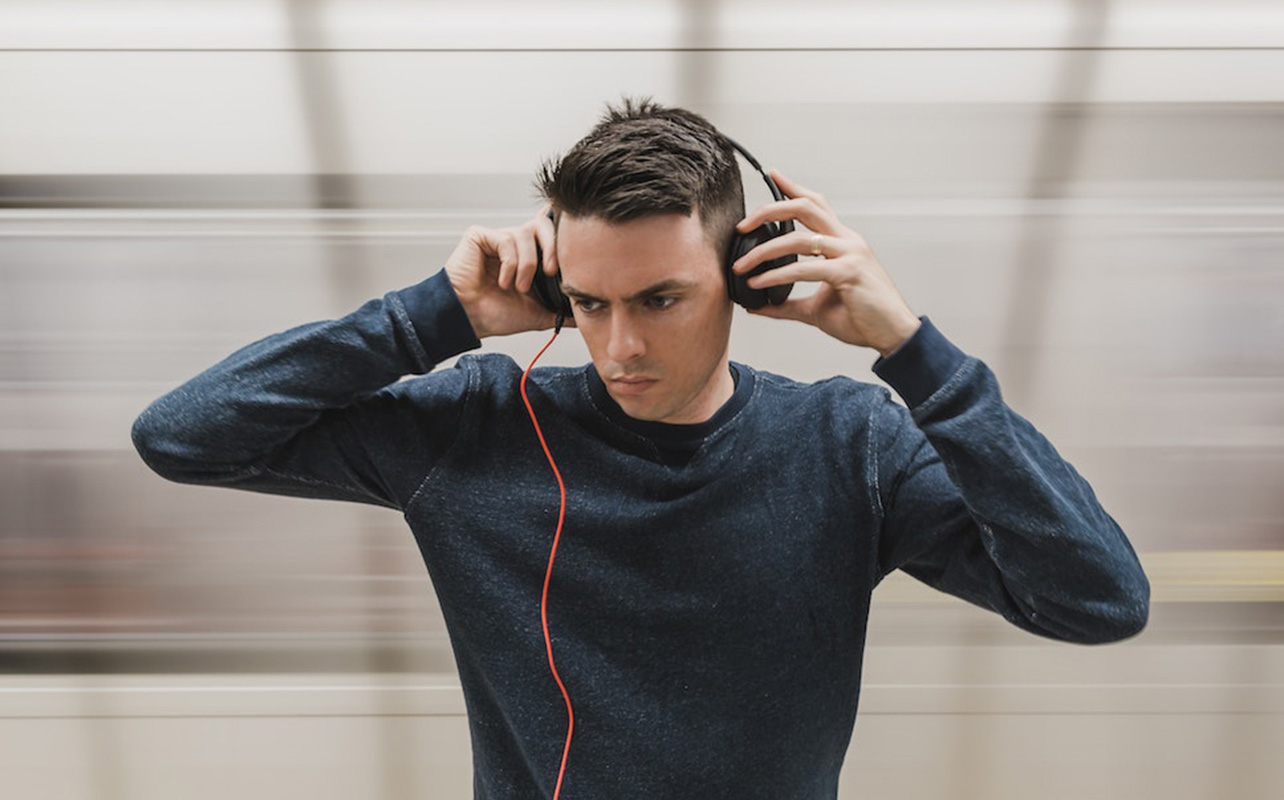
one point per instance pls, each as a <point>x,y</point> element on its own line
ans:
<point>670,285</point>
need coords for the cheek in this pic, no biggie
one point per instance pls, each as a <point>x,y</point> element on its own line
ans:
<point>712,323</point>
<point>697,338</point>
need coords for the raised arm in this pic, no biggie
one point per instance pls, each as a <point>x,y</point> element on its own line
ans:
<point>303,412</point>
<point>975,501</point>
<point>318,410</point>
<point>978,503</point>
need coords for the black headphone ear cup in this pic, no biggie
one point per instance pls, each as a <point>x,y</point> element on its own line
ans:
<point>738,287</point>
<point>547,289</point>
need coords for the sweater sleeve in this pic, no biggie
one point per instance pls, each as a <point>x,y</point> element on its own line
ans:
<point>317,410</point>
<point>977,503</point>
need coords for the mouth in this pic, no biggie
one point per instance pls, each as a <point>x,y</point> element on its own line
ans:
<point>631,385</point>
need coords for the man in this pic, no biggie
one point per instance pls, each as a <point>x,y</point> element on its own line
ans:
<point>724,527</point>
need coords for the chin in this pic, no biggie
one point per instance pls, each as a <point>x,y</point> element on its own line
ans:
<point>633,408</point>
<point>645,409</point>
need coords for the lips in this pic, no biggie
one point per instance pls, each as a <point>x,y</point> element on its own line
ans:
<point>631,385</point>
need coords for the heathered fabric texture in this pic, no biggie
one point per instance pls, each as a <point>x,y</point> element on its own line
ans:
<point>709,600</point>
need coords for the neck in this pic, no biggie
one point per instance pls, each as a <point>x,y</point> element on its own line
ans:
<point>715,394</point>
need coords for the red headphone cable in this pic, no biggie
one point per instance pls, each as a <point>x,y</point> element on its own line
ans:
<point>561,517</point>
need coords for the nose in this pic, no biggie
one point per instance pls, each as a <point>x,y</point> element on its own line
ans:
<point>625,343</point>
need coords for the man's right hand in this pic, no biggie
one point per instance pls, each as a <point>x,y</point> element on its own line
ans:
<point>491,272</point>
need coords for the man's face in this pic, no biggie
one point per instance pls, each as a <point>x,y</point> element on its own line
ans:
<point>651,303</point>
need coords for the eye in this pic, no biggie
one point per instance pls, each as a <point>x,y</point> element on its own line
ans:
<point>660,302</point>
<point>586,305</point>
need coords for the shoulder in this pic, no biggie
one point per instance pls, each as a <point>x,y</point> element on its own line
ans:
<point>491,379</point>
<point>844,407</point>
<point>839,391</point>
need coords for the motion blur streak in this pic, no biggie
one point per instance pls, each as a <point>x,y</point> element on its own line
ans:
<point>1088,195</point>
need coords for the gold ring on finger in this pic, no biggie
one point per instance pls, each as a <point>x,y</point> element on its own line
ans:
<point>818,245</point>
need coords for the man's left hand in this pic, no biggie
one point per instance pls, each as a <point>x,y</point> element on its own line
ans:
<point>858,302</point>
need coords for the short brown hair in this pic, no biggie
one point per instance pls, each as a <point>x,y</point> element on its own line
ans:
<point>644,159</point>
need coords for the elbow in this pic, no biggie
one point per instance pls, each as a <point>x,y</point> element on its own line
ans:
<point>1119,605</point>
<point>1133,604</point>
<point>1137,612</point>
<point>149,442</point>
<point>1125,615</point>
<point>1095,617</point>
<point>171,444</point>
<point>159,447</point>
<point>1128,620</point>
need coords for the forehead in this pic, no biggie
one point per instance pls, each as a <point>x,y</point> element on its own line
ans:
<point>604,258</point>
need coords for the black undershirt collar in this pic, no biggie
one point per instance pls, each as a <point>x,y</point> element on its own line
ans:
<point>675,442</point>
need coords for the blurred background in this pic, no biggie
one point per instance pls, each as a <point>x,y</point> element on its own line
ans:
<point>1087,195</point>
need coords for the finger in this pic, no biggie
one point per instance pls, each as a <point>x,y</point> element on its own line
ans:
<point>489,246</point>
<point>803,209</point>
<point>823,270</point>
<point>792,188</point>
<point>506,250</point>
<point>527,259</point>
<point>796,243</point>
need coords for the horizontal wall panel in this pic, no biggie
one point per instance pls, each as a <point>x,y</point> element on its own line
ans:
<point>580,24</point>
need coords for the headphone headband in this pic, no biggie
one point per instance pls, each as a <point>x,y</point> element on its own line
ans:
<point>775,190</point>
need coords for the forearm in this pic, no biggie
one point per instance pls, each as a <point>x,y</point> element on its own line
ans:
<point>1049,557</point>
<point>222,425</point>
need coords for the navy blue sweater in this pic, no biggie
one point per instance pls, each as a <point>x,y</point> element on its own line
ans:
<point>709,601</point>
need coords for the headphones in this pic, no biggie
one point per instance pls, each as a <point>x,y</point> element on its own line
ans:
<point>548,290</point>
